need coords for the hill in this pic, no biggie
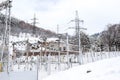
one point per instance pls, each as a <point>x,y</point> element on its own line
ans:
<point>18,26</point>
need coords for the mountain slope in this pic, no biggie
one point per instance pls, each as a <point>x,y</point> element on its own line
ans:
<point>18,26</point>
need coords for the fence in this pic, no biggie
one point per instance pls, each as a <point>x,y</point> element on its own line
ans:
<point>47,65</point>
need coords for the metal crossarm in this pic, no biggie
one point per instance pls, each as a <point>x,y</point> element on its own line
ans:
<point>5,4</point>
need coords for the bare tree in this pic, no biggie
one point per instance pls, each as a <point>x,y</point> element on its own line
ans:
<point>110,37</point>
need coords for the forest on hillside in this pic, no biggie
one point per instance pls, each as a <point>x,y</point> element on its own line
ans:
<point>108,40</point>
<point>18,26</point>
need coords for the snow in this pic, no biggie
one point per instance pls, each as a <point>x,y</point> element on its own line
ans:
<point>107,69</point>
<point>98,65</point>
<point>4,76</point>
<point>26,75</point>
<point>52,39</point>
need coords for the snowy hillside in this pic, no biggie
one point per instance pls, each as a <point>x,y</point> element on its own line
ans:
<point>108,69</point>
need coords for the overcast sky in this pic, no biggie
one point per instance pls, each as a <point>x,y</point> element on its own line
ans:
<point>95,13</point>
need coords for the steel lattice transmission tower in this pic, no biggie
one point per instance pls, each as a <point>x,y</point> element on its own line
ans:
<point>34,24</point>
<point>77,34</point>
<point>6,38</point>
<point>7,6</point>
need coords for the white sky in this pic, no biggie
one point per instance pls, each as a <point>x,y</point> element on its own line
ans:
<point>95,13</point>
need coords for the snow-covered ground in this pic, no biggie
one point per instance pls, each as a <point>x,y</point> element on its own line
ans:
<point>99,65</point>
<point>25,75</point>
<point>108,69</point>
<point>95,65</point>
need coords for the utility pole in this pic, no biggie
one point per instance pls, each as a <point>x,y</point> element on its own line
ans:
<point>57,29</point>
<point>9,30</point>
<point>67,49</point>
<point>77,34</point>
<point>6,39</point>
<point>34,23</point>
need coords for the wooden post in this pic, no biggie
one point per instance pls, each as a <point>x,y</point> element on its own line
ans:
<point>1,67</point>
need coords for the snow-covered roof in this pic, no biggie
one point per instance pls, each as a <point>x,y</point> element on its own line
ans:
<point>30,39</point>
<point>52,39</point>
<point>37,50</point>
